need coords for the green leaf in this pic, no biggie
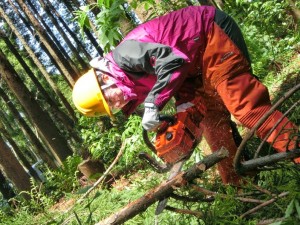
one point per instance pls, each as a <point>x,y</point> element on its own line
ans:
<point>84,189</point>
<point>297,206</point>
<point>290,209</point>
<point>100,2</point>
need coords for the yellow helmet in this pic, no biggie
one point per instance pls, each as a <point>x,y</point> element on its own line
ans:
<point>88,97</point>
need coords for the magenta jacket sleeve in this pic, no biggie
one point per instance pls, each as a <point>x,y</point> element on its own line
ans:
<point>139,59</point>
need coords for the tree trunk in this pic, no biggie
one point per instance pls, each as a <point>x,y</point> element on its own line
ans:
<point>86,31</point>
<point>68,62</point>
<point>13,169</point>
<point>5,189</point>
<point>44,125</point>
<point>74,51</point>
<point>53,50</point>
<point>40,149</point>
<point>39,65</point>
<point>64,121</point>
<point>19,154</point>
<point>72,34</point>
<point>43,47</point>
<point>295,11</point>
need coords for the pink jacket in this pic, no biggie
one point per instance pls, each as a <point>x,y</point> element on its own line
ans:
<point>154,59</point>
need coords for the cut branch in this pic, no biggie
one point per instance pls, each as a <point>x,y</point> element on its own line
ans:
<point>166,188</point>
<point>255,209</point>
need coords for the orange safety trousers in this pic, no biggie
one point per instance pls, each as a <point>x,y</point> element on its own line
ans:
<point>228,89</point>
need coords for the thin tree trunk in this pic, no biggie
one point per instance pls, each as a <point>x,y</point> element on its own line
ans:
<point>74,51</point>
<point>65,120</point>
<point>72,34</point>
<point>53,50</point>
<point>5,189</point>
<point>40,66</point>
<point>40,149</point>
<point>44,125</point>
<point>19,154</point>
<point>27,24</point>
<point>86,31</point>
<point>68,61</point>
<point>13,169</point>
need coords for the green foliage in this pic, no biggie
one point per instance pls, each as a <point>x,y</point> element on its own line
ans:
<point>157,8</point>
<point>38,199</point>
<point>108,23</point>
<point>64,179</point>
<point>268,28</point>
<point>81,16</point>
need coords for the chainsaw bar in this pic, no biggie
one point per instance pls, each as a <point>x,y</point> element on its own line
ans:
<point>176,168</point>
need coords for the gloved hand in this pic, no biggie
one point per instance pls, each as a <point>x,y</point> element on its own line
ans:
<point>150,120</point>
<point>184,106</point>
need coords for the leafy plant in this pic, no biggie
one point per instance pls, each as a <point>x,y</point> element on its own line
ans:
<point>64,179</point>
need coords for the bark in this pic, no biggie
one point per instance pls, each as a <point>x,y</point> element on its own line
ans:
<point>91,168</point>
<point>52,48</point>
<point>44,125</point>
<point>166,188</point>
<point>19,154</point>
<point>40,149</point>
<point>5,189</point>
<point>13,169</point>
<point>55,110</point>
<point>295,11</point>
<point>39,65</point>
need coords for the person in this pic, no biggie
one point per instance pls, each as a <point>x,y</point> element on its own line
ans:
<point>197,52</point>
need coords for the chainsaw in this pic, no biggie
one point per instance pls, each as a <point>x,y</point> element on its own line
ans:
<point>175,141</point>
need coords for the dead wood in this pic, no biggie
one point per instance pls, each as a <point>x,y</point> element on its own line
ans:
<point>198,214</point>
<point>165,189</point>
<point>270,221</point>
<point>266,203</point>
<point>211,193</point>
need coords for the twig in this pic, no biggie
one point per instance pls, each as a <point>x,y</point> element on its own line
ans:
<point>189,199</point>
<point>264,204</point>
<point>164,189</point>
<point>237,158</point>
<point>106,172</point>
<point>265,191</point>
<point>101,178</point>
<point>198,214</point>
<point>269,221</point>
<point>242,199</point>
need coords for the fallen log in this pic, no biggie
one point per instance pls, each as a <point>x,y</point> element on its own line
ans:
<point>163,190</point>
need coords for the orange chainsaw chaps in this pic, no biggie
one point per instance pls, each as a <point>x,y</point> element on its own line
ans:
<point>178,140</point>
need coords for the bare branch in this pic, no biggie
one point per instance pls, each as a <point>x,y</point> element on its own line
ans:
<point>158,193</point>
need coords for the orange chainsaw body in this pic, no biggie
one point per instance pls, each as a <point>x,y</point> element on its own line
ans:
<point>177,141</point>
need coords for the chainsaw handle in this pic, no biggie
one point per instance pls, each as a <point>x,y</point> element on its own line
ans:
<point>167,118</point>
<point>147,141</point>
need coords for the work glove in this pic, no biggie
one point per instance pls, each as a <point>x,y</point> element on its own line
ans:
<point>150,120</point>
<point>184,106</point>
